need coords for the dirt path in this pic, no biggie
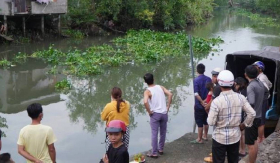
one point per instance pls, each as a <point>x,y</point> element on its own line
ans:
<point>182,151</point>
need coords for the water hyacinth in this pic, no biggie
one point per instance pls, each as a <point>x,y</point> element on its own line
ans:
<point>63,86</point>
<point>260,20</point>
<point>136,46</point>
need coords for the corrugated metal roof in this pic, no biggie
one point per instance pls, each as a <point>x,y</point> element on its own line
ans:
<point>269,52</point>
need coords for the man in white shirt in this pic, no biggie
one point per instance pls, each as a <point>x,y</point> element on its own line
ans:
<point>155,104</point>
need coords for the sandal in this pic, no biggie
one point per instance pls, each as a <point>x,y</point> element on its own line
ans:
<point>242,155</point>
<point>152,156</point>
<point>160,152</point>
<point>208,159</point>
<point>196,142</point>
<point>205,139</point>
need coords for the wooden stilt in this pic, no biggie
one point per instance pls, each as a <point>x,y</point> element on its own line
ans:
<point>23,26</point>
<point>43,25</point>
<point>5,25</point>
<point>59,26</point>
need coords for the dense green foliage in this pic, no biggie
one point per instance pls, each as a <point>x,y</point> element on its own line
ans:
<point>266,6</point>
<point>73,33</point>
<point>260,20</point>
<point>126,14</point>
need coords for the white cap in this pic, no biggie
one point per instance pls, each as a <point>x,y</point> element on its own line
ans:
<point>225,78</point>
<point>216,71</point>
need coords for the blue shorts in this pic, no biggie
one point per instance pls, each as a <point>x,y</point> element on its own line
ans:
<point>200,116</point>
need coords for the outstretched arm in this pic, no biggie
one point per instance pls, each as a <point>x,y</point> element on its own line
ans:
<point>169,95</point>
<point>26,155</point>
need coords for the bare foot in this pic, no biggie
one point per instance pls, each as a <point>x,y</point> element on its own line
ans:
<point>261,139</point>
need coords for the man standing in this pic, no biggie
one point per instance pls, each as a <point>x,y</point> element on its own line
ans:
<point>217,88</point>
<point>225,114</point>
<point>155,104</point>
<point>255,95</point>
<point>263,78</point>
<point>36,141</point>
<point>200,114</point>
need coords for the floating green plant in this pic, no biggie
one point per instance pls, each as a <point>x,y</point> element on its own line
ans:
<point>20,57</point>
<point>261,20</point>
<point>5,63</point>
<point>63,86</point>
<point>136,46</point>
<point>74,33</point>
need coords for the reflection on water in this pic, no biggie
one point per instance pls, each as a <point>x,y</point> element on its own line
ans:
<point>91,94</point>
<point>23,85</point>
<point>76,121</point>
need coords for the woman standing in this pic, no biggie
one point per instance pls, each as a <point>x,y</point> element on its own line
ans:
<point>117,109</point>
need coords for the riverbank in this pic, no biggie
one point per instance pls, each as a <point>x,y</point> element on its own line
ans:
<point>182,151</point>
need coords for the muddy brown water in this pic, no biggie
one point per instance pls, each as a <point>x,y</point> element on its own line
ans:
<point>75,118</point>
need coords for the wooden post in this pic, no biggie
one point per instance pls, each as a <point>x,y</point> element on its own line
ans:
<point>5,25</point>
<point>59,25</point>
<point>23,26</point>
<point>43,25</point>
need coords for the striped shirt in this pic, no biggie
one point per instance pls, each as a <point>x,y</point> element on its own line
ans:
<point>225,115</point>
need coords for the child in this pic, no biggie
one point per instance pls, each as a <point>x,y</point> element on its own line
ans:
<point>210,87</point>
<point>6,158</point>
<point>117,152</point>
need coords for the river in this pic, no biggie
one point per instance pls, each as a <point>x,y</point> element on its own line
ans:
<point>75,118</point>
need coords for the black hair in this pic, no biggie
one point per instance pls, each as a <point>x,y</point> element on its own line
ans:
<point>34,110</point>
<point>149,78</point>
<point>251,71</point>
<point>200,68</point>
<point>117,94</point>
<point>226,87</point>
<point>209,85</point>
<point>5,158</point>
<point>241,82</point>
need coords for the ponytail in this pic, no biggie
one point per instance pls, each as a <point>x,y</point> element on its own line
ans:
<point>117,94</point>
<point>119,101</point>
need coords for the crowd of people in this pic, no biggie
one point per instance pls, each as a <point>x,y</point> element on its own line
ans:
<point>236,111</point>
<point>234,106</point>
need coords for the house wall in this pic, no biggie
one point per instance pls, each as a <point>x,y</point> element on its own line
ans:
<point>5,7</point>
<point>56,7</point>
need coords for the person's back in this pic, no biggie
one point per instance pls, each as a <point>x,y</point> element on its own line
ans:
<point>229,106</point>
<point>110,112</point>
<point>157,101</point>
<point>200,89</point>
<point>225,116</point>
<point>155,104</point>
<point>35,139</point>
<point>255,94</point>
